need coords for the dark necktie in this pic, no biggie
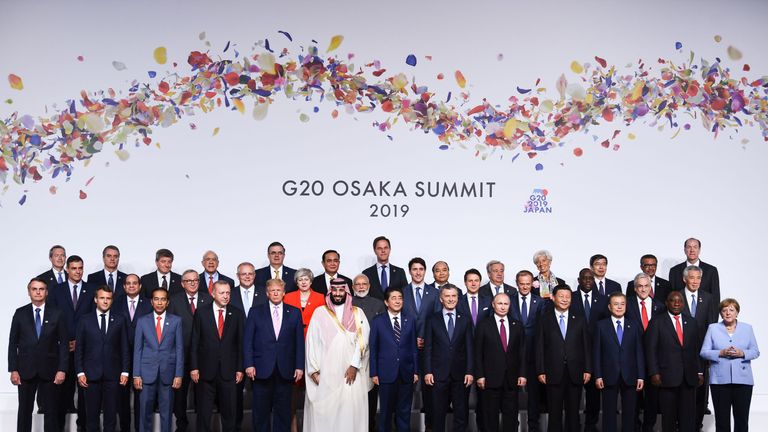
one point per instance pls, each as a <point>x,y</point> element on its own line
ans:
<point>192,304</point>
<point>602,289</point>
<point>111,282</point>
<point>451,325</point>
<point>503,335</point>
<point>474,310</point>
<point>74,296</point>
<point>524,311</point>
<point>587,306</point>
<point>38,323</point>
<point>104,324</point>
<point>397,331</point>
<point>384,281</point>
<point>165,283</point>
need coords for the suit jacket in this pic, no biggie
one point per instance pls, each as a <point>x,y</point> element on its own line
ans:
<point>268,354</point>
<point>552,350</point>
<point>448,358</point>
<point>236,299</point>
<point>610,286</point>
<point>99,356</point>
<point>430,303</point>
<point>51,279</point>
<point>61,298</point>
<point>535,308</point>
<point>483,307</point>
<point>149,283</point>
<point>665,356</point>
<point>265,273</point>
<point>98,279</point>
<point>391,359</point>
<point>730,370</point>
<point>488,292</point>
<point>179,306</point>
<point>491,362</point>
<point>598,307</point>
<point>214,357</point>
<point>155,360</point>
<point>634,313</point>
<point>120,307</point>
<point>706,311</point>
<point>43,357</point>
<point>710,279</point>
<point>319,284</point>
<point>204,280</point>
<point>661,288</point>
<point>613,361</point>
<point>397,279</point>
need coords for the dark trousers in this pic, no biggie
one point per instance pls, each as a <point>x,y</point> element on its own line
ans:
<point>272,399</point>
<point>245,385</point>
<point>180,401</point>
<point>395,399</point>
<point>648,400</point>
<point>628,404</point>
<point>564,396</point>
<point>159,393</point>
<point>534,391</point>
<point>66,399</point>
<point>98,393</point>
<point>454,393</point>
<point>209,391</point>
<point>591,405</point>
<point>702,396</point>
<point>46,391</point>
<point>725,396</point>
<point>373,402</point>
<point>677,406</point>
<point>124,407</point>
<point>502,398</point>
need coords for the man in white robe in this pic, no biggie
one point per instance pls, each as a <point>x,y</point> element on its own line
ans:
<point>337,365</point>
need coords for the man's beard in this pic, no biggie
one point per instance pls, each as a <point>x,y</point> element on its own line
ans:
<point>340,301</point>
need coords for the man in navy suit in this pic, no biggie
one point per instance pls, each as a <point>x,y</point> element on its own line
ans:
<point>109,275</point>
<point>710,278</point>
<point>563,359</point>
<point>273,357</point>
<point>619,363</point>
<point>37,356</point>
<point>672,360</point>
<point>526,307</point>
<point>131,305</point>
<point>57,274</point>
<point>158,361</point>
<point>641,308</point>
<point>474,304</point>
<point>384,275</point>
<point>276,269</point>
<point>598,263</point>
<point>331,260</point>
<point>101,360</point>
<point>162,277</point>
<point>74,298</point>
<point>659,287</point>
<point>448,360</point>
<point>216,358</point>
<point>496,284</point>
<point>210,274</point>
<point>393,362</point>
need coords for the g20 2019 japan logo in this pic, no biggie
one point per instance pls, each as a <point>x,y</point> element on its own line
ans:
<point>538,202</point>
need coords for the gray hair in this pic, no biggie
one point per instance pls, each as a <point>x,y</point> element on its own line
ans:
<point>190,271</point>
<point>642,276</point>
<point>492,263</point>
<point>354,281</point>
<point>303,272</point>
<point>691,268</point>
<point>542,253</point>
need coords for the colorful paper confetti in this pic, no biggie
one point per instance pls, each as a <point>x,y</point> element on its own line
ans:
<point>15,82</point>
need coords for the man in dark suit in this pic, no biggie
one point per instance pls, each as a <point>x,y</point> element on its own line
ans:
<point>474,304</point>
<point>57,274</point>
<point>276,269</point>
<point>109,275</point>
<point>526,307</point>
<point>37,356</point>
<point>500,364</point>
<point>273,357</point>
<point>598,263</point>
<point>163,277</point>
<point>384,275</point>
<point>440,274</point>
<point>158,361</point>
<point>593,306</point>
<point>448,360</point>
<point>101,360</point>
<point>393,362</point>
<point>216,358</point>
<point>672,361</point>
<point>210,274</point>
<point>619,363</point>
<point>710,279</point>
<point>74,298</point>
<point>700,305</point>
<point>331,261</point>
<point>131,305</point>
<point>496,284</point>
<point>563,359</point>
<point>641,309</point>
<point>185,305</point>
<point>659,287</point>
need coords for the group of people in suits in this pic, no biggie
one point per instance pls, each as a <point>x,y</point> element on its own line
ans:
<point>157,335</point>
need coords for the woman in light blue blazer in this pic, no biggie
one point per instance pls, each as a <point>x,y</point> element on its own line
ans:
<point>730,347</point>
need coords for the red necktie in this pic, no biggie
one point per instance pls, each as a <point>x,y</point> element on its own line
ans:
<point>192,304</point>
<point>645,315</point>
<point>679,329</point>
<point>210,285</point>
<point>221,322</point>
<point>651,290</point>
<point>159,330</point>
<point>503,334</point>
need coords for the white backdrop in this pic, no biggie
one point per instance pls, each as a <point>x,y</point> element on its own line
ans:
<point>223,191</point>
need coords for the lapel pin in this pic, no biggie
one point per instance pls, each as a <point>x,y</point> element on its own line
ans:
<point>46,321</point>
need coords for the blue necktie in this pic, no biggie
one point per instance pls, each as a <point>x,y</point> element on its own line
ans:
<point>38,322</point>
<point>524,311</point>
<point>587,306</point>
<point>111,282</point>
<point>693,305</point>
<point>384,281</point>
<point>619,331</point>
<point>61,279</point>
<point>562,325</point>
<point>418,299</point>
<point>450,325</point>
<point>104,323</point>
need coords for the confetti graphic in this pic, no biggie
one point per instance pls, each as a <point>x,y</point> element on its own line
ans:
<point>658,94</point>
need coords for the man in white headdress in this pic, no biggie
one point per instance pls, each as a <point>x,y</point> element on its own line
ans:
<point>337,365</point>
